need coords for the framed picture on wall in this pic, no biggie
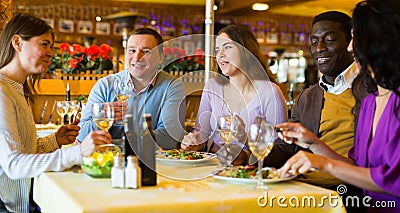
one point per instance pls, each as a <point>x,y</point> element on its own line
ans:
<point>117,29</point>
<point>66,26</point>
<point>189,47</point>
<point>103,28</point>
<point>175,43</point>
<point>85,27</point>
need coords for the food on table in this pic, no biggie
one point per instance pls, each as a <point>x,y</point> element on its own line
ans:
<point>99,164</point>
<point>249,172</point>
<point>183,155</point>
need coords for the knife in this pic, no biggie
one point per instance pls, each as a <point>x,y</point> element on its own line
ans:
<point>51,113</point>
<point>43,111</point>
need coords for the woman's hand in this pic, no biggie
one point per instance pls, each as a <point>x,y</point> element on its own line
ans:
<point>67,134</point>
<point>95,138</point>
<point>192,142</point>
<point>298,134</point>
<point>303,162</point>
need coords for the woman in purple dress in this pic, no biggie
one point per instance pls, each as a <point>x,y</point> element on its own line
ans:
<point>374,161</point>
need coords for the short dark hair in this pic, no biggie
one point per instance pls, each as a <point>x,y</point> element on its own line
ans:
<point>149,31</point>
<point>336,16</point>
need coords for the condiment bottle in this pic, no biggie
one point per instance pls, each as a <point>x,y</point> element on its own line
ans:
<point>133,173</point>
<point>118,172</point>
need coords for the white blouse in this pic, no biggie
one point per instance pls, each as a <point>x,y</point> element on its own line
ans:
<point>19,148</point>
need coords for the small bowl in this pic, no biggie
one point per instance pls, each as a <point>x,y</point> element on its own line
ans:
<point>99,164</point>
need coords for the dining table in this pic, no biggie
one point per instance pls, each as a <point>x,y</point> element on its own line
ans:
<point>43,130</point>
<point>180,188</point>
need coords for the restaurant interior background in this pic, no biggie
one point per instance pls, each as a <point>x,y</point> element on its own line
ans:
<point>282,32</point>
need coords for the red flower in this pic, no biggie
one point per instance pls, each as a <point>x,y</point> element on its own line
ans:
<point>92,52</point>
<point>74,58</point>
<point>199,54</point>
<point>167,51</point>
<point>65,47</point>
<point>104,50</point>
<point>73,63</point>
<point>176,59</point>
<point>77,48</point>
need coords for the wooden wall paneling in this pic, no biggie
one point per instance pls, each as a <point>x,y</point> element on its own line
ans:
<point>6,11</point>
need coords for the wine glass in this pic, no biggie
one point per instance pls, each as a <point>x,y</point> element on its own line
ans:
<point>72,109</point>
<point>103,115</point>
<point>122,93</point>
<point>262,137</point>
<point>62,108</point>
<point>228,127</point>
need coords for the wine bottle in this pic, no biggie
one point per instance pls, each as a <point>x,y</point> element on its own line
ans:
<point>147,158</point>
<point>141,144</point>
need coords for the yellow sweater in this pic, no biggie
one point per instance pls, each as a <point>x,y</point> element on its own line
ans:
<point>337,121</point>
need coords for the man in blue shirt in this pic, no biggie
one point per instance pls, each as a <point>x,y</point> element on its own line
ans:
<point>154,92</point>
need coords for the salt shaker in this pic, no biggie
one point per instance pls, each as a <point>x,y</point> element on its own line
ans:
<point>133,173</point>
<point>118,173</point>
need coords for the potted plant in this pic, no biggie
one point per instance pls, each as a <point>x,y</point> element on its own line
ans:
<point>75,59</point>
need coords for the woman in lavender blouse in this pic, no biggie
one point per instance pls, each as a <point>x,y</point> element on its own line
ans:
<point>243,85</point>
<point>374,160</point>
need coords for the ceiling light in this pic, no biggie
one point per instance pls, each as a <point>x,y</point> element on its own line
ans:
<point>260,6</point>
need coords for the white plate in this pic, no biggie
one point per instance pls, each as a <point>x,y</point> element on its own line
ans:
<point>207,157</point>
<point>44,133</point>
<point>49,126</point>
<point>251,180</point>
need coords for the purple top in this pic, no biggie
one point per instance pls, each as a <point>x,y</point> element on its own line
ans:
<point>268,102</point>
<point>381,153</point>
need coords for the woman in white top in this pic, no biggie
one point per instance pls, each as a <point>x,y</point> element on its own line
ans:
<point>26,48</point>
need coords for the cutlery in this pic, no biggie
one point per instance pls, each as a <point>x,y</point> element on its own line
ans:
<point>43,111</point>
<point>51,113</point>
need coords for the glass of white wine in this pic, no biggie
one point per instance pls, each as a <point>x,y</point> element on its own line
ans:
<point>123,89</point>
<point>262,137</point>
<point>103,115</point>
<point>62,108</point>
<point>228,126</point>
<point>72,109</point>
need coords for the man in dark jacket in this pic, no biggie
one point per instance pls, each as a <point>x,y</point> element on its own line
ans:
<point>327,108</point>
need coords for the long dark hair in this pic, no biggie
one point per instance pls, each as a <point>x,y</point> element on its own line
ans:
<point>26,26</point>
<point>376,44</point>
<point>250,50</point>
